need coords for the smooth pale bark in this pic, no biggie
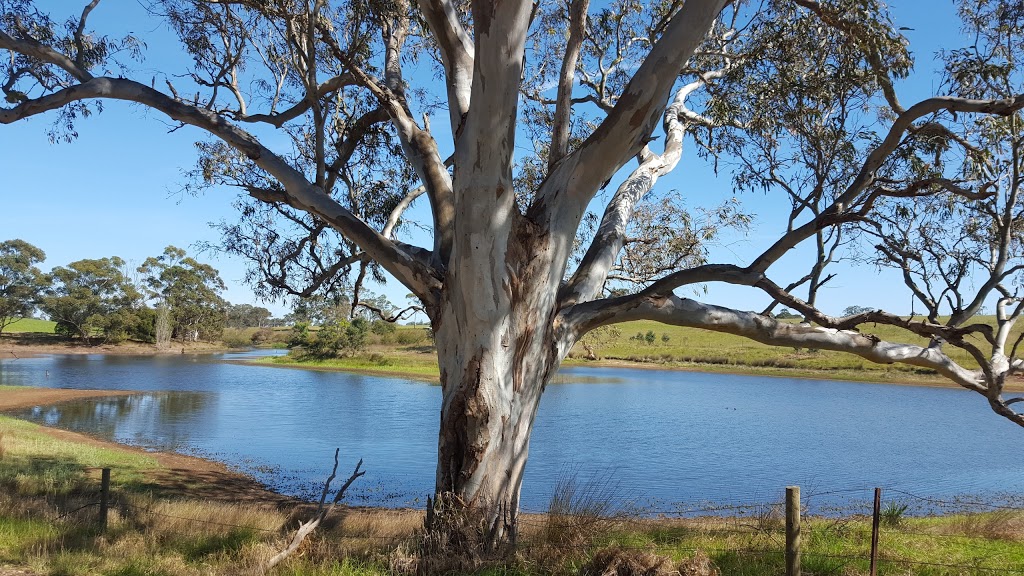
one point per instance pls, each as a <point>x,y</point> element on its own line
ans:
<point>589,279</point>
<point>563,99</point>
<point>456,54</point>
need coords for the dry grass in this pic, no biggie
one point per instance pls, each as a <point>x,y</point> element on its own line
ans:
<point>625,562</point>
<point>998,525</point>
<point>579,511</point>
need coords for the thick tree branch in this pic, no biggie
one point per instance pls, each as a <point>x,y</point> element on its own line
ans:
<point>589,279</point>
<point>457,52</point>
<point>80,35</point>
<point>627,128</point>
<point>29,47</point>
<point>419,277</point>
<point>420,149</point>
<point>866,176</point>
<point>685,312</point>
<point>563,100</point>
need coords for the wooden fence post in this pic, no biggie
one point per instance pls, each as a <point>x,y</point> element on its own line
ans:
<point>792,531</point>
<point>104,497</point>
<point>876,517</point>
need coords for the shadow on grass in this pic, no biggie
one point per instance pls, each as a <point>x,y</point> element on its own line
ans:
<point>42,476</point>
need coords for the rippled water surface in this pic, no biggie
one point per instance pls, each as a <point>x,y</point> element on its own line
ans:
<point>659,438</point>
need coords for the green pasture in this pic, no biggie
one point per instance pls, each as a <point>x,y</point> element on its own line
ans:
<point>25,325</point>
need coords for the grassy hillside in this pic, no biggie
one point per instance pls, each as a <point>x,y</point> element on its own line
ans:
<point>408,350</point>
<point>30,325</point>
<point>690,345</point>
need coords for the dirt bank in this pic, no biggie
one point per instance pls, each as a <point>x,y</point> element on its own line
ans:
<point>14,398</point>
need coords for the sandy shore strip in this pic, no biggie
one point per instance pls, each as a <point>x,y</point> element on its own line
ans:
<point>16,397</point>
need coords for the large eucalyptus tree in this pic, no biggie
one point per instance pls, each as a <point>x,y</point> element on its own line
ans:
<point>547,104</point>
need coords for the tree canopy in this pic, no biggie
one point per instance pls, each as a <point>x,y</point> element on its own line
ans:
<point>189,290</point>
<point>93,297</point>
<point>512,119</point>
<point>21,282</point>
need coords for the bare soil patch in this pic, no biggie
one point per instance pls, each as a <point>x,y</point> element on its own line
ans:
<point>14,399</point>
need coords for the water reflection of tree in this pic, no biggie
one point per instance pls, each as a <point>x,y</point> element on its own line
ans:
<point>157,419</point>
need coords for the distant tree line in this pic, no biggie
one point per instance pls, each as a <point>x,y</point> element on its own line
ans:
<point>169,297</point>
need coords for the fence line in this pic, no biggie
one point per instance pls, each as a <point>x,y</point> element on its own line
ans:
<point>741,525</point>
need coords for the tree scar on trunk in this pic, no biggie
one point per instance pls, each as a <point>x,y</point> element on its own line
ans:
<point>467,415</point>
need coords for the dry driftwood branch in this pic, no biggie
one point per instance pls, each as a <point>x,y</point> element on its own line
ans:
<point>306,528</point>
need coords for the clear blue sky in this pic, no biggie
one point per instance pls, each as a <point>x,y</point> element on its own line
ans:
<point>115,190</point>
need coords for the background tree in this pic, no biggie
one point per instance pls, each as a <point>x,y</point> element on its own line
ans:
<point>189,290</point>
<point>246,316</point>
<point>796,96</point>
<point>321,309</point>
<point>93,298</point>
<point>21,282</point>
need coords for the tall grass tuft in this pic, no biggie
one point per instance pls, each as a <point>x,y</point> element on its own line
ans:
<point>580,512</point>
<point>996,525</point>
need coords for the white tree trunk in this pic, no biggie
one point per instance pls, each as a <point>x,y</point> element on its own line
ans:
<point>497,347</point>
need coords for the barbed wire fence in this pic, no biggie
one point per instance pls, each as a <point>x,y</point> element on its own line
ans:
<point>838,536</point>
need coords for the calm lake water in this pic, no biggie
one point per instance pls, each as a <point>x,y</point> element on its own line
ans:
<point>665,440</point>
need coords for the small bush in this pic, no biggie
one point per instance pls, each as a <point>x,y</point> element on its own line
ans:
<point>409,337</point>
<point>577,513</point>
<point>893,513</point>
<point>236,337</point>
<point>454,538</point>
<point>262,337</point>
<point>382,328</point>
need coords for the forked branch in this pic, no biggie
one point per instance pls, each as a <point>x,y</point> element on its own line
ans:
<point>307,528</point>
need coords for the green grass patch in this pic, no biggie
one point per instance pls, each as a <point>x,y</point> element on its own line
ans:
<point>33,462</point>
<point>421,366</point>
<point>30,325</point>
<point>937,546</point>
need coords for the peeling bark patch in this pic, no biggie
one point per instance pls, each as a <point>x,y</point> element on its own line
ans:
<point>522,347</point>
<point>464,434</point>
<point>483,15</point>
<point>639,116</point>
